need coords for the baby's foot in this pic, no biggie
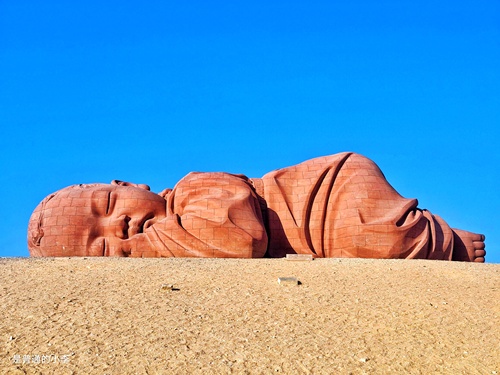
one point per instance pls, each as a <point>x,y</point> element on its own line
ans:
<point>468,247</point>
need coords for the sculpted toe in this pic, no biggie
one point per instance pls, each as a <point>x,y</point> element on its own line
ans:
<point>477,237</point>
<point>480,253</point>
<point>478,245</point>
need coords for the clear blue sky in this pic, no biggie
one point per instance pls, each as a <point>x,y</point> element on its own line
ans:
<point>147,91</point>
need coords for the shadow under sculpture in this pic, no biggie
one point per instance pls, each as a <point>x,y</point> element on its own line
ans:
<point>338,206</point>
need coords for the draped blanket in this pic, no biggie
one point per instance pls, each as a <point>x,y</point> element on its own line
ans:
<point>332,206</point>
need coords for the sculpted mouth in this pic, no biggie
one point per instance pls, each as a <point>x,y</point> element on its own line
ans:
<point>145,223</point>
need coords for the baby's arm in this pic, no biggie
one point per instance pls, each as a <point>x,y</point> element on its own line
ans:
<point>215,215</point>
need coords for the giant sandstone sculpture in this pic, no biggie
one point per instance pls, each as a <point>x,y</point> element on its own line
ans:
<point>332,206</point>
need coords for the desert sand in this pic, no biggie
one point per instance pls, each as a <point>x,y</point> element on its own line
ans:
<point>231,316</point>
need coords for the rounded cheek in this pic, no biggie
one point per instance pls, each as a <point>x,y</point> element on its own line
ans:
<point>159,208</point>
<point>146,207</point>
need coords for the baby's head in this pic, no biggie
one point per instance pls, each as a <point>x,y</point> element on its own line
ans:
<point>94,220</point>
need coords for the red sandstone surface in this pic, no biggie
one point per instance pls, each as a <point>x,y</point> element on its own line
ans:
<point>338,206</point>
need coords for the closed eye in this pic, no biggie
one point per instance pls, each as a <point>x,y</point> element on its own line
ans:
<point>108,204</point>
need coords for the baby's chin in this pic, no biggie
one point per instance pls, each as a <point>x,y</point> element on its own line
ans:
<point>141,245</point>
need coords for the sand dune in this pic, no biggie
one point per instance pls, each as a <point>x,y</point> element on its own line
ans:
<point>226,316</point>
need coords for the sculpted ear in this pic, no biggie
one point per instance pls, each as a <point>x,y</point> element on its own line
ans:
<point>125,183</point>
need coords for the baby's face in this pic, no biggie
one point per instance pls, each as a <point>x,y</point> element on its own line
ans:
<point>102,220</point>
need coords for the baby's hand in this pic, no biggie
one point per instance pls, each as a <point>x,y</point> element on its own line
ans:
<point>165,192</point>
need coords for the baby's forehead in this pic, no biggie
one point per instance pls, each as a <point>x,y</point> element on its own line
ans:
<point>77,191</point>
<point>73,201</point>
<point>83,189</point>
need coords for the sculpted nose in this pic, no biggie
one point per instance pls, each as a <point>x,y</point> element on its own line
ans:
<point>118,227</point>
<point>138,225</point>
